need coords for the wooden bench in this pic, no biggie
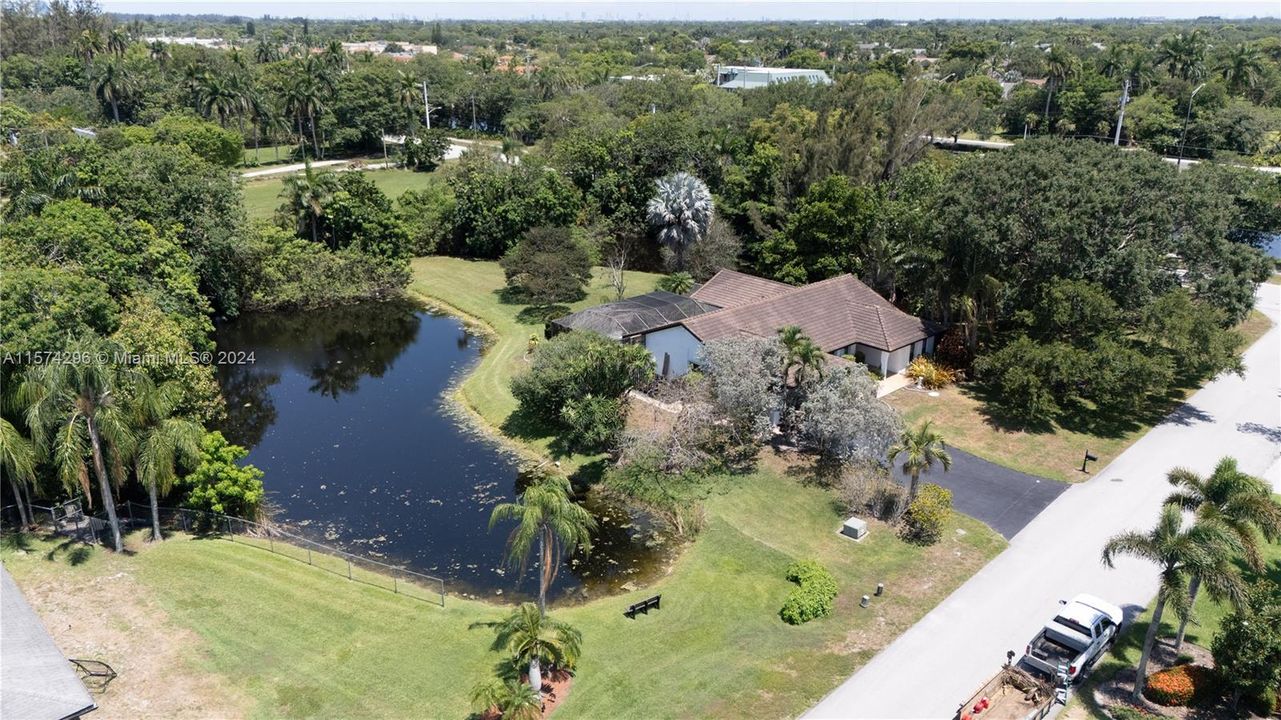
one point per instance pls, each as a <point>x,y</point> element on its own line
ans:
<point>644,606</point>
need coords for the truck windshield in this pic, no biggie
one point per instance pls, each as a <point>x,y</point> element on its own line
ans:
<point>1074,625</point>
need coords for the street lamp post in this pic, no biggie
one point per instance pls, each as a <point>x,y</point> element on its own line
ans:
<point>1183,138</point>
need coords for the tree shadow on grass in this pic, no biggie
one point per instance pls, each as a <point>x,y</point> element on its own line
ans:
<point>541,314</point>
<point>71,551</point>
<point>16,541</point>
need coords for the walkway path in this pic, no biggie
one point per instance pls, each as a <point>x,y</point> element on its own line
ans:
<point>933,667</point>
<point>453,152</point>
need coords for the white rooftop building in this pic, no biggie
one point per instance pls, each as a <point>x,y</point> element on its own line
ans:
<point>740,77</point>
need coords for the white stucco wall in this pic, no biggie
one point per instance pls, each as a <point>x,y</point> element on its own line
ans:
<point>897,361</point>
<point>678,344</point>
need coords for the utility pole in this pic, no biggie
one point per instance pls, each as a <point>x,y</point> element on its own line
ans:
<point>426,107</point>
<point>1120,120</point>
<point>1178,165</point>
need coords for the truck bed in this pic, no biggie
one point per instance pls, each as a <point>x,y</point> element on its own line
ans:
<point>1051,653</point>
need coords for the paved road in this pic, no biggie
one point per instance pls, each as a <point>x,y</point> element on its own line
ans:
<point>1007,500</point>
<point>933,667</point>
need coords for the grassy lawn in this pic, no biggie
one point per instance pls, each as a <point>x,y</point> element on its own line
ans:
<point>262,195</point>
<point>267,155</point>
<point>473,289</point>
<point>959,413</point>
<point>280,638</point>
<point>1208,616</point>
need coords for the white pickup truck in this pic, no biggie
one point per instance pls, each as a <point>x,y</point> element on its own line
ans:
<point>1076,638</point>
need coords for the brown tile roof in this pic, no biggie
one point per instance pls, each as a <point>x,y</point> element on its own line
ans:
<point>730,288</point>
<point>834,313</point>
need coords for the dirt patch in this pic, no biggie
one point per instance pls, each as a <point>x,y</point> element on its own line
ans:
<point>110,616</point>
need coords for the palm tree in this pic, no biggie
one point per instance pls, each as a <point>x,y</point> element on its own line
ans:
<point>89,45</point>
<point>334,57</point>
<point>113,84</point>
<point>408,93</point>
<point>1203,549</point>
<point>545,514</point>
<point>677,282</point>
<point>76,412</point>
<point>680,212</point>
<point>44,179</point>
<point>118,41</point>
<point>164,440</point>
<point>1241,67</point>
<point>307,195</point>
<point>219,97</point>
<point>514,699</point>
<point>921,448</point>
<point>1241,502</point>
<point>266,51</point>
<point>159,52</point>
<point>532,638</point>
<point>18,463</point>
<point>261,115</point>
<point>1061,66</point>
<point>1183,55</point>
<point>304,95</point>
<point>802,359</point>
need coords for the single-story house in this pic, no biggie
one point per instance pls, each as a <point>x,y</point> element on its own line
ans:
<point>741,77</point>
<point>841,315</point>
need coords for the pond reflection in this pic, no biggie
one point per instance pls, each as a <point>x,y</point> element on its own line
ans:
<point>345,412</point>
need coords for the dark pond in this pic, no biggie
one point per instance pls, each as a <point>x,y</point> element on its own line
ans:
<point>345,410</point>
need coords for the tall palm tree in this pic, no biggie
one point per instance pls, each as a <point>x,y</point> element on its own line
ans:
<point>408,93</point>
<point>1241,67</point>
<point>680,213</point>
<point>219,97</point>
<point>44,178</point>
<point>334,57</point>
<point>118,41</point>
<point>262,116</point>
<point>164,440</point>
<point>533,639</point>
<point>1183,55</point>
<point>1061,67</point>
<point>545,514</point>
<point>18,463</point>
<point>89,45</point>
<point>305,95</point>
<point>76,412</point>
<point>112,84</point>
<point>307,195</point>
<point>920,447</point>
<point>1241,502</point>
<point>1203,548</point>
<point>513,699</point>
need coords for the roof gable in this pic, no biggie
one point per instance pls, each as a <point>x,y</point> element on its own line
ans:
<point>730,288</point>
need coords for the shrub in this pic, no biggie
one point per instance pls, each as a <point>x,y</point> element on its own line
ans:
<point>548,265</point>
<point>1179,685</point>
<point>425,151</point>
<point>931,374</point>
<point>220,484</point>
<point>572,366</point>
<point>593,422</point>
<point>867,489</point>
<point>208,140</point>
<point>925,517</point>
<point>813,595</point>
<point>1129,712</point>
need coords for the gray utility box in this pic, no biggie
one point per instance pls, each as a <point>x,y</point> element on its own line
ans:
<point>855,528</point>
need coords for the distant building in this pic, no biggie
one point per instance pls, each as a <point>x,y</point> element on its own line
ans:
<point>213,43</point>
<point>738,77</point>
<point>380,46</point>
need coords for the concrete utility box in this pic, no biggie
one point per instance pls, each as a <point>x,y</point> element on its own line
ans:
<point>855,528</point>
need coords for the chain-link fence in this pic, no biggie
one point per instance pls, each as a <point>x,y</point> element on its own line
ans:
<point>94,528</point>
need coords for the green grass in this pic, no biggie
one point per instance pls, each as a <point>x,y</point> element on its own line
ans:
<point>961,416</point>
<point>262,195</point>
<point>267,155</point>
<point>473,289</point>
<point>304,643</point>
<point>1208,616</point>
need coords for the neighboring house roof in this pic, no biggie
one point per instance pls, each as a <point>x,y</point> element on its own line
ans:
<point>643,313</point>
<point>730,288</point>
<point>834,313</point>
<point>36,681</point>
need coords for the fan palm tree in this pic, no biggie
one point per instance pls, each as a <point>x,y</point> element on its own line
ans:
<point>18,463</point>
<point>307,195</point>
<point>1183,55</point>
<point>1241,67</point>
<point>680,213</point>
<point>118,41</point>
<point>533,639</point>
<point>545,514</point>
<point>1242,503</point>
<point>164,440</point>
<point>1204,548</point>
<point>76,413</point>
<point>513,699</point>
<point>920,447</point>
<point>112,84</point>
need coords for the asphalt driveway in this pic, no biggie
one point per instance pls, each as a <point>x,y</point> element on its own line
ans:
<point>1006,500</point>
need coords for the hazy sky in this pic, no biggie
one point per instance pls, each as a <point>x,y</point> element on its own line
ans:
<point>716,10</point>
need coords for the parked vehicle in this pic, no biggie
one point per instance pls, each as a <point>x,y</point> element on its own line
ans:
<point>1011,694</point>
<point>1075,639</point>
